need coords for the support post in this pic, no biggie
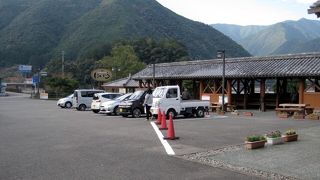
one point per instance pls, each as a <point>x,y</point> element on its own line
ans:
<point>301,91</point>
<point>229,91</point>
<point>277,92</point>
<point>262,95</point>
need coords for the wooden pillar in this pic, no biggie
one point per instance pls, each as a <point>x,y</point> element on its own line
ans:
<point>238,87</point>
<point>252,86</point>
<point>262,94</point>
<point>277,92</point>
<point>301,91</point>
<point>316,88</point>
<point>245,95</point>
<point>140,83</point>
<point>148,84</point>
<point>229,91</point>
<point>201,88</point>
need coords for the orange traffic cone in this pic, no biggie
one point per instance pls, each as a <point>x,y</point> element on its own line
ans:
<point>170,132</point>
<point>159,117</point>
<point>163,122</point>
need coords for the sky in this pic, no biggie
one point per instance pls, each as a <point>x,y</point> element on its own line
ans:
<point>241,12</point>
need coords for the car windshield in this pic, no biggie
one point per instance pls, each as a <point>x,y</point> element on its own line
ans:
<point>123,97</point>
<point>136,95</point>
<point>159,92</point>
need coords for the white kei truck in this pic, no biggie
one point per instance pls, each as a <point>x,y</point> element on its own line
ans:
<point>168,99</point>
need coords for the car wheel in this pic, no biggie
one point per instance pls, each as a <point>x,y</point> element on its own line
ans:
<point>68,105</point>
<point>173,112</point>
<point>116,111</point>
<point>82,107</point>
<point>95,110</point>
<point>136,113</point>
<point>200,112</point>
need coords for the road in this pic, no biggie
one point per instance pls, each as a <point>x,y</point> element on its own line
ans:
<point>38,140</point>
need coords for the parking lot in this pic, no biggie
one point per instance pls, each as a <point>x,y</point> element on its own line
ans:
<point>41,141</point>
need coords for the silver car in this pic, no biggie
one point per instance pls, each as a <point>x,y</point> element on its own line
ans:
<point>111,107</point>
<point>65,102</point>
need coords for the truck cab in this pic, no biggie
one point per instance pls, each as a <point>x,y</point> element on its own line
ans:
<point>168,99</point>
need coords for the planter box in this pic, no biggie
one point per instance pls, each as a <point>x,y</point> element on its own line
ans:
<point>247,113</point>
<point>289,138</point>
<point>254,145</point>
<point>275,141</point>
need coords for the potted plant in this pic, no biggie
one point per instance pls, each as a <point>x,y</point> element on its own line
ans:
<point>290,135</point>
<point>274,138</point>
<point>255,142</point>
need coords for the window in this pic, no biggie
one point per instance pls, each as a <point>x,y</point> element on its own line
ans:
<point>172,93</point>
<point>90,93</point>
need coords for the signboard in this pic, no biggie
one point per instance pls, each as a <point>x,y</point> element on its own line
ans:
<point>25,68</point>
<point>43,73</point>
<point>35,79</point>
<point>43,95</point>
<point>101,74</point>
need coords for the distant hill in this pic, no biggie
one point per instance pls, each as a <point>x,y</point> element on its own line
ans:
<point>33,31</point>
<point>281,38</point>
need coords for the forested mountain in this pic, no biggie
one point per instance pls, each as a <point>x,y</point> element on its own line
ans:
<point>281,38</point>
<point>34,31</point>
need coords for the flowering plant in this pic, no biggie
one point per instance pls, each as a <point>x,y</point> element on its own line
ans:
<point>274,134</point>
<point>291,132</point>
<point>254,138</point>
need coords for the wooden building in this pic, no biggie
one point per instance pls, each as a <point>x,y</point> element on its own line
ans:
<point>251,82</point>
<point>315,8</point>
<point>123,85</point>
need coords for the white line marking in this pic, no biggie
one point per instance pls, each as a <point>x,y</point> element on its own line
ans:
<point>201,119</point>
<point>165,143</point>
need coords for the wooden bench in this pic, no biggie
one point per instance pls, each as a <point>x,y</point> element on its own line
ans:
<point>297,110</point>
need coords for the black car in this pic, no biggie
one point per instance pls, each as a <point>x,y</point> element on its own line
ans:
<point>134,105</point>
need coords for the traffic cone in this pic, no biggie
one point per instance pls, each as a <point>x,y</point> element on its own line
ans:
<point>170,132</point>
<point>159,117</point>
<point>163,122</point>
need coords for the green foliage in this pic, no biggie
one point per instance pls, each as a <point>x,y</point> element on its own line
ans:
<point>274,134</point>
<point>123,60</point>
<point>291,132</point>
<point>59,85</point>
<point>34,32</point>
<point>281,38</point>
<point>254,138</point>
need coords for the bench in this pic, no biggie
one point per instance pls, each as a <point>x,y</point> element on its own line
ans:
<point>298,110</point>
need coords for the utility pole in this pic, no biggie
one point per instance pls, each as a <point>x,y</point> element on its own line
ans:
<point>62,64</point>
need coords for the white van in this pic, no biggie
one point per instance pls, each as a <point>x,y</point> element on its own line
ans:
<point>82,98</point>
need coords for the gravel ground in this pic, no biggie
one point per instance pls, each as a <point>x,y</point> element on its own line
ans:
<point>294,160</point>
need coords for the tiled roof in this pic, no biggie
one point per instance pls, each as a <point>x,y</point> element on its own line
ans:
<point>123,82</point>
<point>296,65</point>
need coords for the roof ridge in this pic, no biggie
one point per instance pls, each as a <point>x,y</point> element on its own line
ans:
<point>237,59</point>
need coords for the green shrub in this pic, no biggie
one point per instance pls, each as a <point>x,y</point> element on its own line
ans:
<point>254,138</point>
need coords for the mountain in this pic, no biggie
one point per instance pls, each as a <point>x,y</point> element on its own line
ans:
<point>33,31</point>
<point>237,32</point>
<point>280,38</point>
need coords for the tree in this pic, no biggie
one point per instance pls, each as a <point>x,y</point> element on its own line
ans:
<point>124,58</point>
<point>60,86</point>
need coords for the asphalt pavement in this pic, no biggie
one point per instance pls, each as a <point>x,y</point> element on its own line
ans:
<point>41,141</point>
